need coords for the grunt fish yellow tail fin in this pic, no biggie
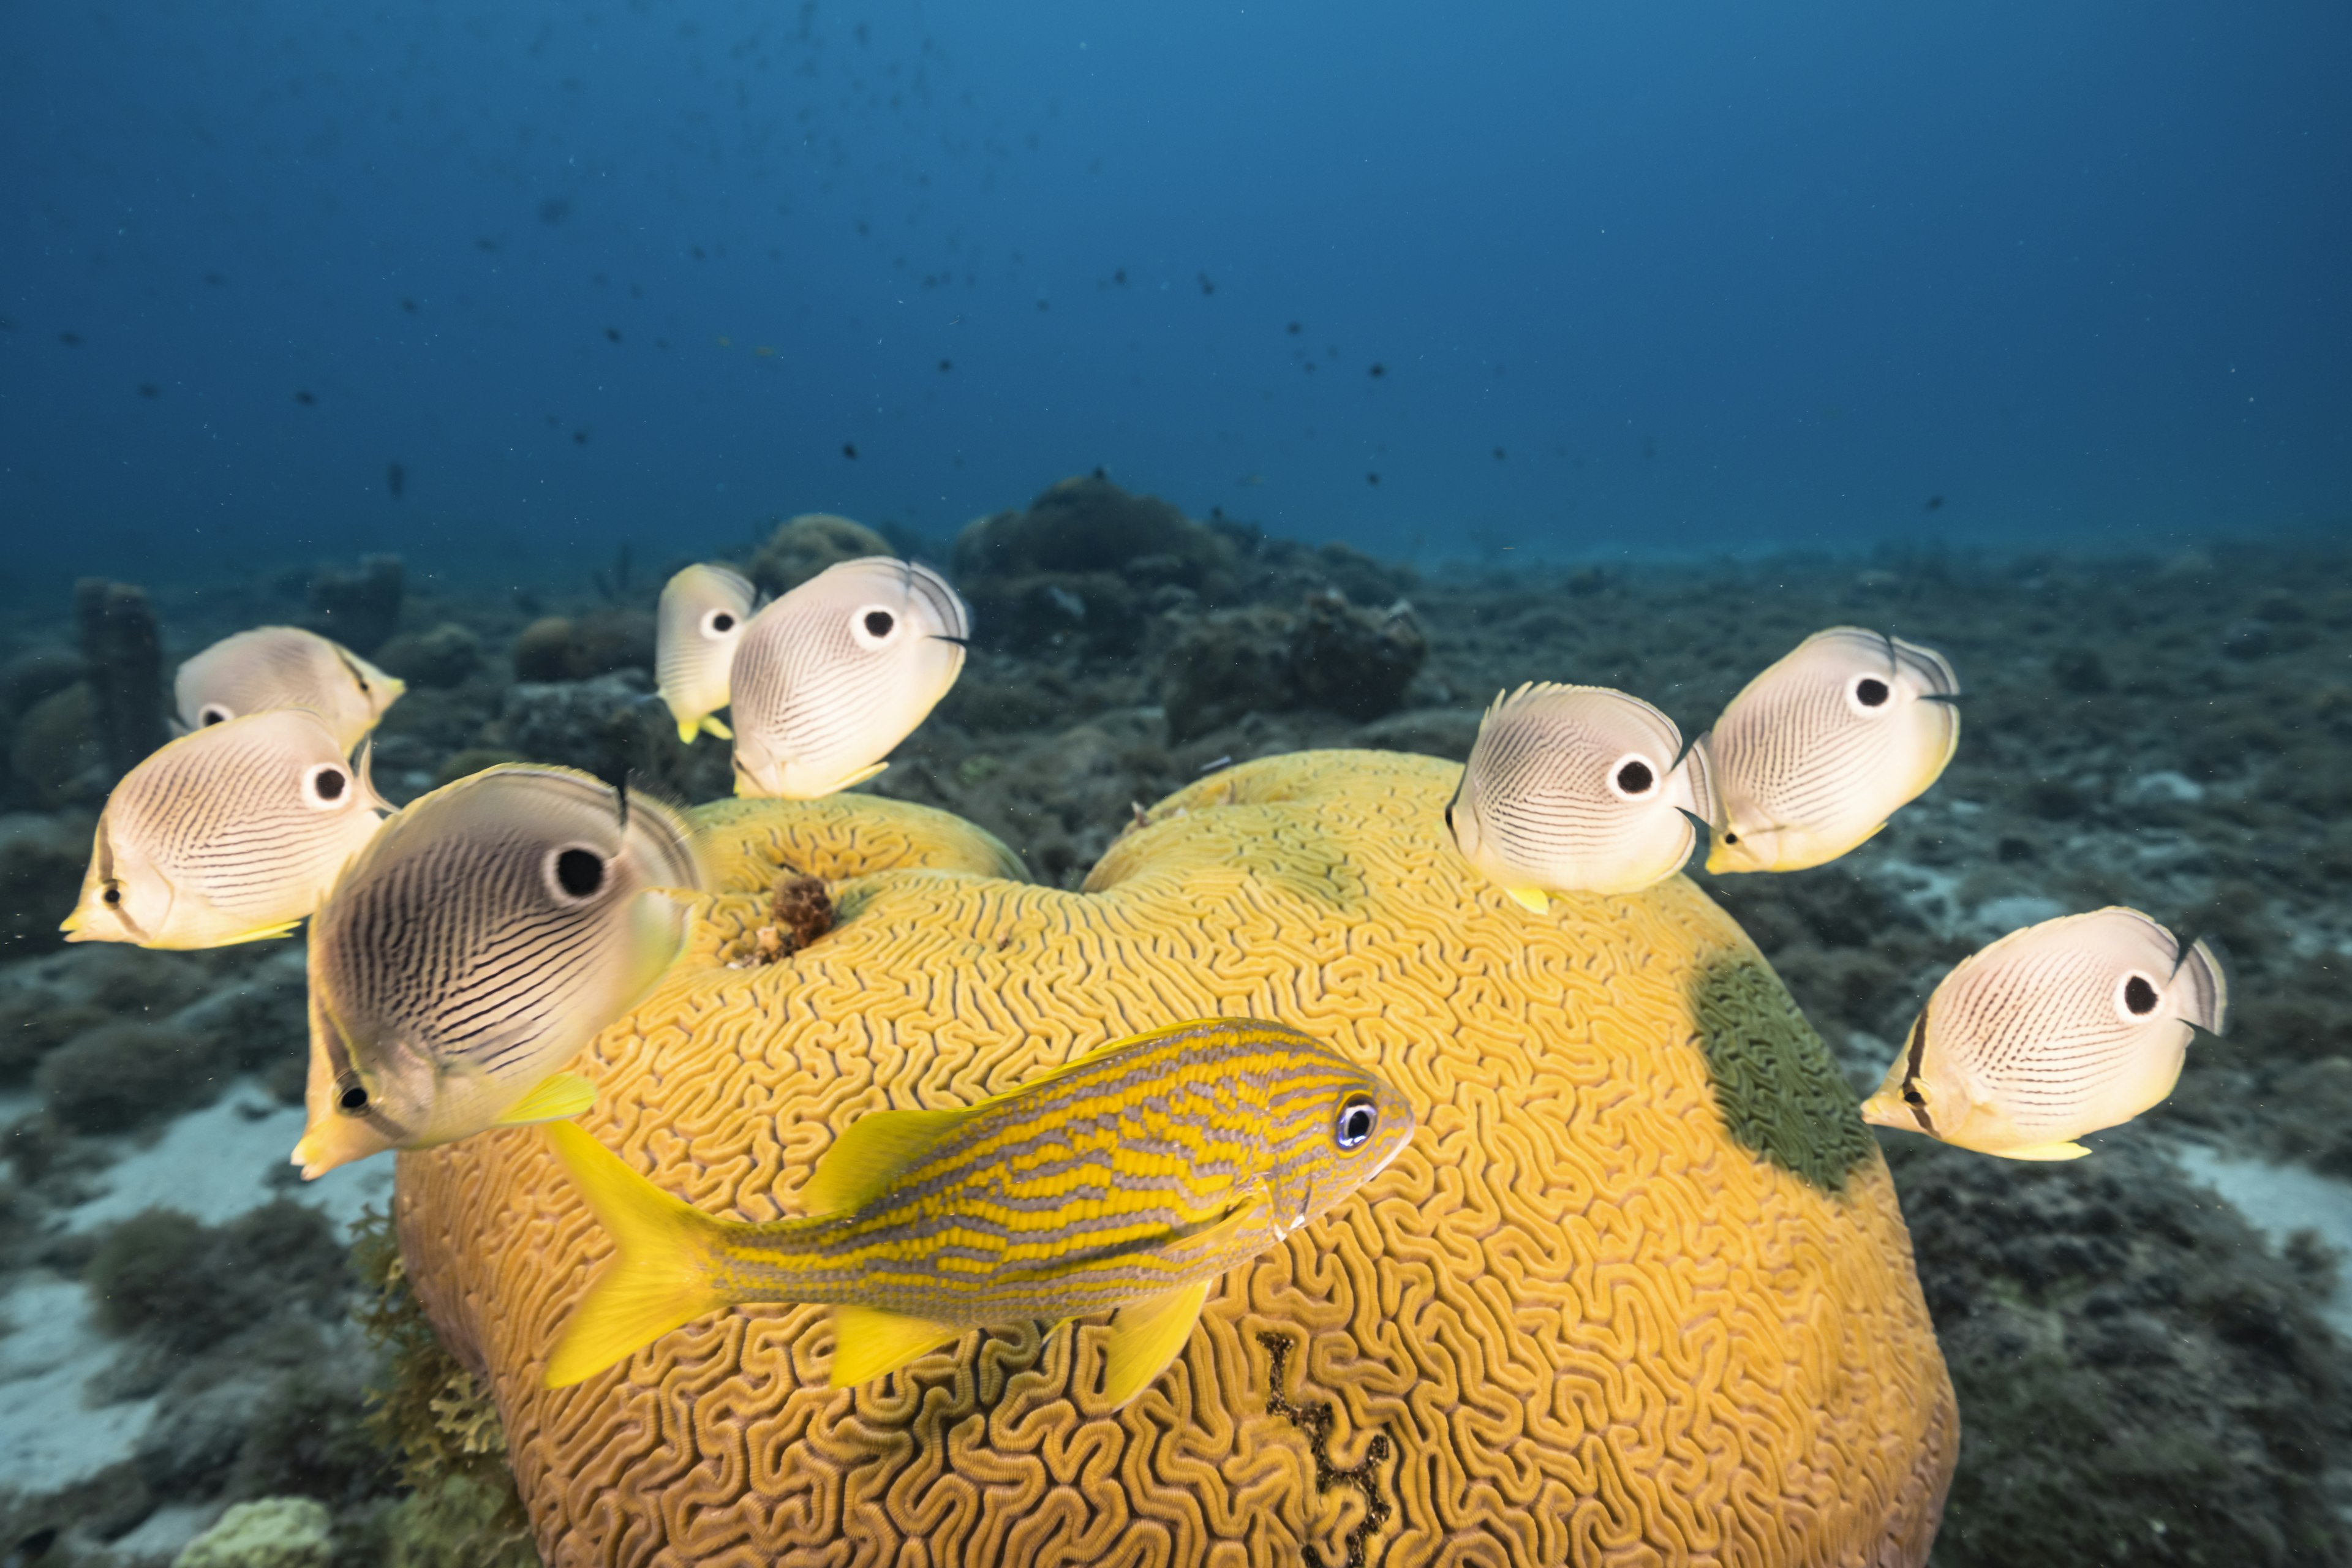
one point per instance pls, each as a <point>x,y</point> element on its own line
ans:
<point>661,1279</point>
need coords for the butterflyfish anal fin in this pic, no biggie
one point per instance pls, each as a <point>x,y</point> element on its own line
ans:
<point>1147,1336</point>
<point>859,777</point>
<point>261,934</point>
<point>867,1341</point>
<point>864,1160</point>
<point>558,1097</point>
<point>2044,1151</point>
<point>712,727</point>
<point>1534,901</point>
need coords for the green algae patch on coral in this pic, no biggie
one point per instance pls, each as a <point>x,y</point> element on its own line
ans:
<point>1779,1090</point>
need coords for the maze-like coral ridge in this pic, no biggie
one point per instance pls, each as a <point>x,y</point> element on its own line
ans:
<point>1586,1319</point>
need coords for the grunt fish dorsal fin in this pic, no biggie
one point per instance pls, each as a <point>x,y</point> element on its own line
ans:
<point>558,1097</point>
<point>1146,1337</point>
<point>868,1342</point>
<point>863,1161</point>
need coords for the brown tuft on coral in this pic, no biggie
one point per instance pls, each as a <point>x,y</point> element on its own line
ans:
<point>799,911</point>
<point>1639,1290</point>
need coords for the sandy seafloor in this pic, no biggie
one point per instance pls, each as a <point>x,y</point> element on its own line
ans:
<point>2149,1346</point>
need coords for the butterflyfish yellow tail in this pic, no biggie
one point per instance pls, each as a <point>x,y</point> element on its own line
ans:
<point>662,1278</point>
<point>712,727</point>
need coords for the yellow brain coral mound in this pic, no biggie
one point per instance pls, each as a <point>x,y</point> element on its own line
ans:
<point>1638,1292</point>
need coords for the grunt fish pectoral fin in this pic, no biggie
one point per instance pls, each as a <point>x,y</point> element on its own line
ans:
<point>2044,1152</point>
<point>868,1342</point>
<point>1534,901</point>
<point>864,1160</point>
<point>711,726</point>
<point>1147,1336</point>
<point>558,1097</point>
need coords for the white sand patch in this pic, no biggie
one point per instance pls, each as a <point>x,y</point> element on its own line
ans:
<point>218,1163</point>
<point>50,1437</point>
<point>2279,1200</point>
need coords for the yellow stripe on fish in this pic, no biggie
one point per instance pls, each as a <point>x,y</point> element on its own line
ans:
<point>1128,1179</point>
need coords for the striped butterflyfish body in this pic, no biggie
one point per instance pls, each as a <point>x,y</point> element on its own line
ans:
<point>483,938</point>
<point>284,667</point>
<point>2053,1032</point>
<point>827,680</point>
<point>1815,755</point>
<point>231,833</point>
<point>701,617</point>
<point>1130,1179</point>
<point>1576,789</point>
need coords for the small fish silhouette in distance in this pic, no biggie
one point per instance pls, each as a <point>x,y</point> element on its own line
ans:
<point>1576,789</point>
<point>284,667</point>
<point>830,677</point>
<point>700,620</point>
<point>232,833</point>
<point>1128,1179</point>
<point>475,947</point>
<point>2051,1032</point>
<point>1813,755</point>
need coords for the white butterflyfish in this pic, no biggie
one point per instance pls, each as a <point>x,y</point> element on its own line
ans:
<point>284,667</point>
<point>700,620</point>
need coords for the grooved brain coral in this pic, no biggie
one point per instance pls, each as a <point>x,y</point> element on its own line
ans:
<point>1638,1292</point>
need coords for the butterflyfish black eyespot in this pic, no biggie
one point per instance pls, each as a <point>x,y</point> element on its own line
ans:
<point>722,622</point>
<point>330,784</point>
<point>350,1096</point>
<point>579,872</point>
<point>1635,777</point>
<point>213,713</point>
<point>1871,691</point>
<point>2139,996</point>
<point>878,623</point>
<point>1357,1119</point>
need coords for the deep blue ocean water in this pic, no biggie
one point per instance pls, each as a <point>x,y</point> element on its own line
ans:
<point>500,286</point>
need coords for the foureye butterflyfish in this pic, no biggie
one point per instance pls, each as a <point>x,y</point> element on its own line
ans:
<point>475,947</point>
<point>1815,755</point>
<point>231,833</point>
<point>700,620</point>
<point>2051,1032</point>
<point>284,667</point>
<point>830,677</point>
<point>1576,789</point>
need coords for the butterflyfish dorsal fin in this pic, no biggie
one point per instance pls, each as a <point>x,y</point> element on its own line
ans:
<point>867,1341</point>
<point>864,1160</point>
<point>558,1096</point>
<point>1146,1337</point>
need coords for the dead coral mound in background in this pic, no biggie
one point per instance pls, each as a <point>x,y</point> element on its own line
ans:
<point>1638,1284</point>
<point>564,647</point>
<point>1326,654</point>
<point>805,546</point>
<point>1086,564</point>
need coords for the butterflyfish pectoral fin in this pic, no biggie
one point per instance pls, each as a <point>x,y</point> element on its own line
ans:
<point>2044,1151</point>
<point>558,1097</point>
<point>1147,1336</point>
<point>867,1341</point>
<point>1534,901</point>
<point>712,727</point>
<point>864,1160</point>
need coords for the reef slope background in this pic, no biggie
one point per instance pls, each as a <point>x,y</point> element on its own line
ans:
<point>2146,1372</point>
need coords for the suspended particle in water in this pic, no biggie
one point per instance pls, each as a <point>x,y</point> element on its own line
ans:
<point>849,450</point>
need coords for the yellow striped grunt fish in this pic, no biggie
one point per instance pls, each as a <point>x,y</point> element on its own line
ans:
<point>477,946</point>
<point>1576,789</point>
<point>231,833</point>
<point>2051,1032</point>
<point>1128,1179</point>
<point>284,667</point>
<point>831,675</point>
<point>700,620</point>
<point>1815,755</point>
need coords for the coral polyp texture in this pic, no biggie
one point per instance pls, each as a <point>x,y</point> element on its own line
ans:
<point>1638,1292</point>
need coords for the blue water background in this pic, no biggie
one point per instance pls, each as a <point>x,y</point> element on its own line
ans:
<point>1656,278</point>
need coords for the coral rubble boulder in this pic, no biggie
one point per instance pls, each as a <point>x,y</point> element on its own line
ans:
<point>805,546</point>
<point>1085,564</point>
<point>1638,1291</point>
